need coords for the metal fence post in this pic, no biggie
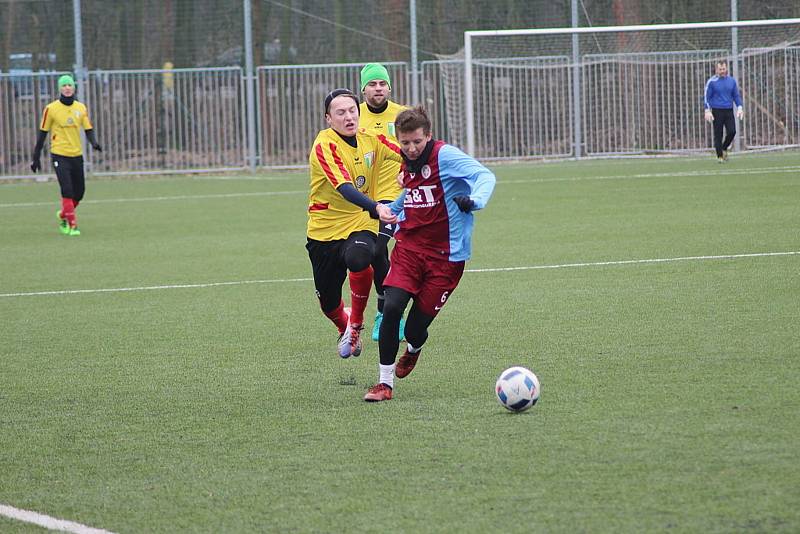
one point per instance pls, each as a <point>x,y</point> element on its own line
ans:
<point>735,67</point>
<point>250,88</point>
<point>576,82</point>
<point>76,23</point>
<point>414,58</point>
<point>78,67</point>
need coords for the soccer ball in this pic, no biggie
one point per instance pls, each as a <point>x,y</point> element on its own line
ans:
<point>517,389</point>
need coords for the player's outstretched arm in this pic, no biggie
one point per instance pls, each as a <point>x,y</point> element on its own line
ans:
<point>397,205</point>
<point>353,195</point>
<point>385,214</point>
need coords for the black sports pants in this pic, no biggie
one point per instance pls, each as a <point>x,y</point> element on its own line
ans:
<point>416,329</point>
<point>380,263</point>
<point>71,179</point>
<point>330,261</point>
<point>723,118</point>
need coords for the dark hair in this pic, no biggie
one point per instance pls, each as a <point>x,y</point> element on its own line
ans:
<point>339,92</point>
<point>722,62</point>
<point>411,119</point>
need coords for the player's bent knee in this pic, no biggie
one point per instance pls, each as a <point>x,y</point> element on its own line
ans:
<point>392,309</point>
<point>358,258</point>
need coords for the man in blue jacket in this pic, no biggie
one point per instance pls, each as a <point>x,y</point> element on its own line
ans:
<point>722,93</point>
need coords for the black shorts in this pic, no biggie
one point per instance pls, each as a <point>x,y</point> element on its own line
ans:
<point>329,266</point>
<point>69,171</point>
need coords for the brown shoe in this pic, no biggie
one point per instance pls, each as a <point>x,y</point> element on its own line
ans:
<point>406,364</point>
<point>378,392</point>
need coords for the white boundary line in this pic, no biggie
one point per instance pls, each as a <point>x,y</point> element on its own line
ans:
<point>48,522</point>
<point>488,270</point>
<point>153,288</point>
<point>677,174</point>
<point>153,199</point>
<point>683,174</point>
<point>633,262</point>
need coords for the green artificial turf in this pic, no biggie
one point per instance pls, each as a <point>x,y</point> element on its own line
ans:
<point>207,395</point>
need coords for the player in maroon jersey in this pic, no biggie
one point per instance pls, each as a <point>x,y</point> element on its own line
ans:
<point>442,187</point>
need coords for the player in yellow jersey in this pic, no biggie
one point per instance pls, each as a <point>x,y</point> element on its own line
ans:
<point>63,120</point>
<point>342,216</point>
<point>378,114</point>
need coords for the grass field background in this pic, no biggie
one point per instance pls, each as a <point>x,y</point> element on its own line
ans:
<point>670,397</point>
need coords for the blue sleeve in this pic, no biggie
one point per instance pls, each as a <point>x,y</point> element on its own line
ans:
<point>454,163</point>
<point>707,94</point>
<point>397,205</point>
<point>736,97</point>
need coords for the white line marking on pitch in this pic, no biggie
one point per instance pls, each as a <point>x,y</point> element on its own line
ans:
<point>153,199</point>
<point>683,174</point>
<point>48,522</point>
<point>631,262</point>
<point>488,270</point>
<point>153,288</point>
<point>787,169</point>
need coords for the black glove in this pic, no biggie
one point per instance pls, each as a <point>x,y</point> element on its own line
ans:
<point>464,203</point>
<point>36,165</point>
<point>93,140</point>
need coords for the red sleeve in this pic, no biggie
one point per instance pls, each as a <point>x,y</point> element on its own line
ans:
<point>332,165</point>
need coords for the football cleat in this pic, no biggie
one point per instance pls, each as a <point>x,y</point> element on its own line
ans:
<point>74,231</point>
<point>406,364</point>
<point>725,155</point>
<point>350,341</point>
<point>378,392</point>
<point>63,225</point>
<point>376,329</point>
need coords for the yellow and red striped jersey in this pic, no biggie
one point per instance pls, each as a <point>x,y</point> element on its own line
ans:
<point>334,162</point>
<point>386,186</point>
<point>64,124</point>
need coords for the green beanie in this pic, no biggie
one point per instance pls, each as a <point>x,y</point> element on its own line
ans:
<point>374,71</point>
<point>65,80</point>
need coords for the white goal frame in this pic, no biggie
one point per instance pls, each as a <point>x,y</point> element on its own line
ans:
<point>575,31</point>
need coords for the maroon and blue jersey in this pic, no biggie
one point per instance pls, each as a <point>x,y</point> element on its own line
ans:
<point>429,220</point>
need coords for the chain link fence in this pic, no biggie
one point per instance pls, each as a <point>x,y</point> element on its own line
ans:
<point>165,83</point>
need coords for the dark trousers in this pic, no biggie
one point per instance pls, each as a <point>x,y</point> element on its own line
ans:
<point>723,118</point>
<point>380,264</point>
<point>71,179</point>
<point>416,329</point>
<point>330,261</point>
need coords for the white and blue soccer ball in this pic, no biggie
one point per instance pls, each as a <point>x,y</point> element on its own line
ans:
<point>517,389</point>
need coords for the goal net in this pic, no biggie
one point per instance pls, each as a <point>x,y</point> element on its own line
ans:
<point>569,92</point>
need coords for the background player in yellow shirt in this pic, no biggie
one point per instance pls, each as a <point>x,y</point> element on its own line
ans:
<point>63,119</point>
<point>378,113</point>
<point>342,216</point>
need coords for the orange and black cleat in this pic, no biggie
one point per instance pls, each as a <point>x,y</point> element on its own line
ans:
<point>378,392</point>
